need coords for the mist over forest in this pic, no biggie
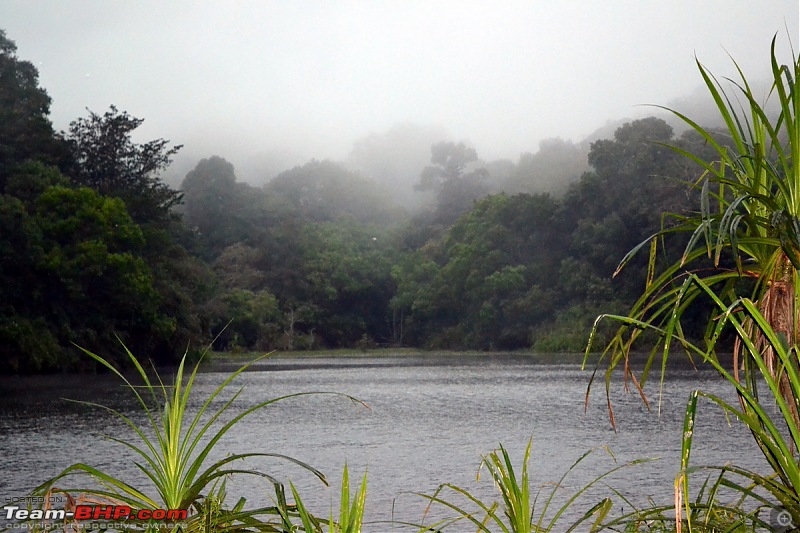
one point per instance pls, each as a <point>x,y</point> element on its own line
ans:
<point>414,240</point>
<point>320,196</point>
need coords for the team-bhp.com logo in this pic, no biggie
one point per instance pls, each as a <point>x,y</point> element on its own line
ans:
<point>94,512</point>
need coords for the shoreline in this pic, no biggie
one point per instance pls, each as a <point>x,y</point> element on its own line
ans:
<point>388,357</point>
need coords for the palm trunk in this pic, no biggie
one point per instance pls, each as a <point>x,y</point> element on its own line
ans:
<point>777,305</point>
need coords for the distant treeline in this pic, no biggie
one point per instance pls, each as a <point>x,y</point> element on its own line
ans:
<point>96,249</point>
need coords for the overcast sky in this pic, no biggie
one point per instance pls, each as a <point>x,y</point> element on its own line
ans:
<point>265,81</point>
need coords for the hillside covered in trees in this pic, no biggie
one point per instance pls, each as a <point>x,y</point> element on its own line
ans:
<point>96,248</point>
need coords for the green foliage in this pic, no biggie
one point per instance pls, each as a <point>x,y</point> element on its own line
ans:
<point>515,270</point>
<point>221,212</point>
<point>325,191</point>
<point>302,238</point>
<point>90,258</point>
<point>237,267</point>
<point>517,511</point>
<point>618,205</point>
<point>477,272</point>
<point>456,186</point>
<point>351,513</point>
<point>747,202</point>
<point>107,160</point>
<point>28,344</point>
<point>247,320</point>
<point>569,331</point>
<point>347,281</point>
<point>72,270</point>
<point>776,434</point>
<point>90,244</point>
<point>556,165</point>
<point>25,129</point>
<point>175,450</point>
<point>450,160</point>
<point>748,215</point>
<point>486,283</point>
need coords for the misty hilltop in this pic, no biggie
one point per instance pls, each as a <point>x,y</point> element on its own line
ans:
<point>271,86</point>
<point>327,179</point>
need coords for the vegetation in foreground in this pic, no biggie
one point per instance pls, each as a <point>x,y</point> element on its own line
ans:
<point>748,225</point>
<point>174,449</point>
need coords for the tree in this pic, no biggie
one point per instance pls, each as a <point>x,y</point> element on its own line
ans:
<point>208,191</point>
<point>325,191</point>
<point>395,158</point>
<point>25,129</point>
<point>556,165</point>
<point>247,319</point>
<point>236,268</point>
<point>72,272</point>
<point>456,189</point>
<point>741,258</point>
<point>412,305</point>
<point>450,160</point>
<point>488,281</point>
<point>107,160</point>
<point>92,258</point>
<point>211,204</point>
<point>612,208</point>
<point>339,276</point>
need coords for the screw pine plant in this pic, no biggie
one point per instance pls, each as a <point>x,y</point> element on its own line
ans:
<point>742,258</point>
<point>776,434</point>
<point>747,227</point>
<point>351,512</point>
<point>518,512</point>
<point>175,447</point>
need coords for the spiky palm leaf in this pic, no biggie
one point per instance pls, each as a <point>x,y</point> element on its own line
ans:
<point>747,226</point>
<point>176,457</point>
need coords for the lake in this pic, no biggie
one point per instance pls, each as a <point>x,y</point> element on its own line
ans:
<point>429,420</point>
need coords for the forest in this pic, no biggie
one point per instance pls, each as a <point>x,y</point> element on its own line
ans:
<point>96,248</point>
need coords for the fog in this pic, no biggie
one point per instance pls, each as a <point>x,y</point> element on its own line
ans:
<point>270,85</point>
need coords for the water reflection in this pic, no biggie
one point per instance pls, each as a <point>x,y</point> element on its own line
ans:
<point>430,419</point>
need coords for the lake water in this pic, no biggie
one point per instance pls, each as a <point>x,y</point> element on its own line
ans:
<point>429,420</point>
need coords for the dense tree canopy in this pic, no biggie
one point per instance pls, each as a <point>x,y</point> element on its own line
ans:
<point>327,191</point>
<point>107,160</point>
<point>551,169</point>
<point>26,132</point>
<point>95,247</point>
<point>72,261</point>
<point>89,253</point>
<point>451,177</point>
<point>535,270</point>
<point>486,284</point>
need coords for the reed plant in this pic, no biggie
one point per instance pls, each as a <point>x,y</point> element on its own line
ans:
<point>754,499</point>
